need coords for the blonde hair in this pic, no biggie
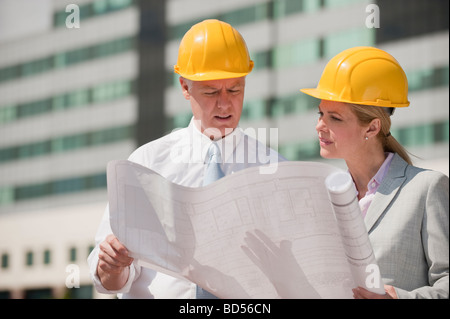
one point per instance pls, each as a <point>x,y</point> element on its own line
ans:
<point>367,113</point>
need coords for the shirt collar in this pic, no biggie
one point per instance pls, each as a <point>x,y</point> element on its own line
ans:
<point>227,144</point>
<point>378,178</point>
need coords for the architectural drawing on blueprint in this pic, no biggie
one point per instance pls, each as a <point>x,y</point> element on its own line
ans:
<point>248,235</point>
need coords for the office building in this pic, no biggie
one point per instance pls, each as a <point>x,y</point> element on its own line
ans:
<point>73,98</point>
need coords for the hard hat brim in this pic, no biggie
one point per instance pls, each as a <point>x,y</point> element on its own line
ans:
<point>323,95</point>
<point>213,76</point>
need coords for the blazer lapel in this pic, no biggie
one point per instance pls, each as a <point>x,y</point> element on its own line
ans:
<point>387,191</point>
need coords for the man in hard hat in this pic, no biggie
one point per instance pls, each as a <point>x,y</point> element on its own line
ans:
<point>213,62</point>
<point>405,208</point>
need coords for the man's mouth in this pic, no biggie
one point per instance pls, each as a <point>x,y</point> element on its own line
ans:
<point>222,117</point>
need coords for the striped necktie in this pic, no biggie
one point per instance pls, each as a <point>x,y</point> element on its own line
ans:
<point>213,170</point>
<point>213,173</point>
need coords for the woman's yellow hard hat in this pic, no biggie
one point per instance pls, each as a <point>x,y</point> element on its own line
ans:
<point>363,75</point>
<point>213,50</point>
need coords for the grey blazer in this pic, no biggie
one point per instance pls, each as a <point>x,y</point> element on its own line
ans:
<point>408,224</point>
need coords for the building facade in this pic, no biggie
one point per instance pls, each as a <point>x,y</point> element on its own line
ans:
<point>72,99</point>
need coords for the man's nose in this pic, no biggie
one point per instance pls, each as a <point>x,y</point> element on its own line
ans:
<point>223,99</point>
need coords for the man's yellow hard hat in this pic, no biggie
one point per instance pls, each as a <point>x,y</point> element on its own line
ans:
<point>363,75</point>
<point>213,50</point>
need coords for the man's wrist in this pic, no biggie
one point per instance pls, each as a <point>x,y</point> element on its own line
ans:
<point>113,281</point>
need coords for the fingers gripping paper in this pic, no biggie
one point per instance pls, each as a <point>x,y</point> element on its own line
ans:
<point>248,235</point>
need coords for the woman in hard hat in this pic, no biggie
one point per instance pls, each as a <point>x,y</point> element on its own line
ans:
<point>405,208</point>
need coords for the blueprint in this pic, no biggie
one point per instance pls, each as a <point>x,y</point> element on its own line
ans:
<point>291,234</point>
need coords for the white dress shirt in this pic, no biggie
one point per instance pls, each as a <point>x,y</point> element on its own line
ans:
<point>180,157</point>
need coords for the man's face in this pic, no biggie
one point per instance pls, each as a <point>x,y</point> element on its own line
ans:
<point>216,104</point>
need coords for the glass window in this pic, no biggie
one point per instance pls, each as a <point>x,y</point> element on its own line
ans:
<point>445,75</point>
<point>290,151</point>
<point>85,11</point>
<point>8,154</point>
<point>34,108</point>
<point>43,293</point>
<point>6,195</point>
<point>402,19</point>
<point>60,60</point>
<point>8,114</point>
<point>295,54</point>
<point>80,97</point>
<point>96,181</point>
<point>73,254</point>
<point>102,93</point>
<point>58,187</point>
<point>68,186</point>
<point>47,257</point>
<point>64,59</point>
<point>5,261</point>
<point>77,56</point>
<point>311,5</point>
<point>341,3</point>
<point>29,256</point>
<point>427,78</point>
<point>119,4</point>
<point>178,31</point>
<point>339,41</point>
<point>37,66</point>
<point>74,142</point>
<point>182,120</point>
<point>246,15</point>
<point>34,149</point>
<point>301,151</point>
<point>262,59</point>
<point>59,19</point>
<point>286,7</point>
<point>416,135</point>
<point>9,73</point>
<point>254,110</point>
<point>297,103</point>
<point>66,143</point>
<point>122,88</point>
<point>95,8</point>
<point>414,80</point>
<point>32,191</point>
<point>111,135</point>
<point>100,7</point>
<point>59,102</point>
<point>309,150</point>
<point>83,292</point>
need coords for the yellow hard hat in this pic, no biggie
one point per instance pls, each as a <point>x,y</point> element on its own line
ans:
<point>363,75</point>
<point>213,50</point>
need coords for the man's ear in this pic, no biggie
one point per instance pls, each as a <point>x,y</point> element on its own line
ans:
<point>185,88</point>
<point>374,128</point>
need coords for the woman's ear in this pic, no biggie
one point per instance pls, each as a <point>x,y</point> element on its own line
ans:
<point>185,87</point>
<point>374,128</point>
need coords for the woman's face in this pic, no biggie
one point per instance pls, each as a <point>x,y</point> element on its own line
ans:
<point>340,133</point>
